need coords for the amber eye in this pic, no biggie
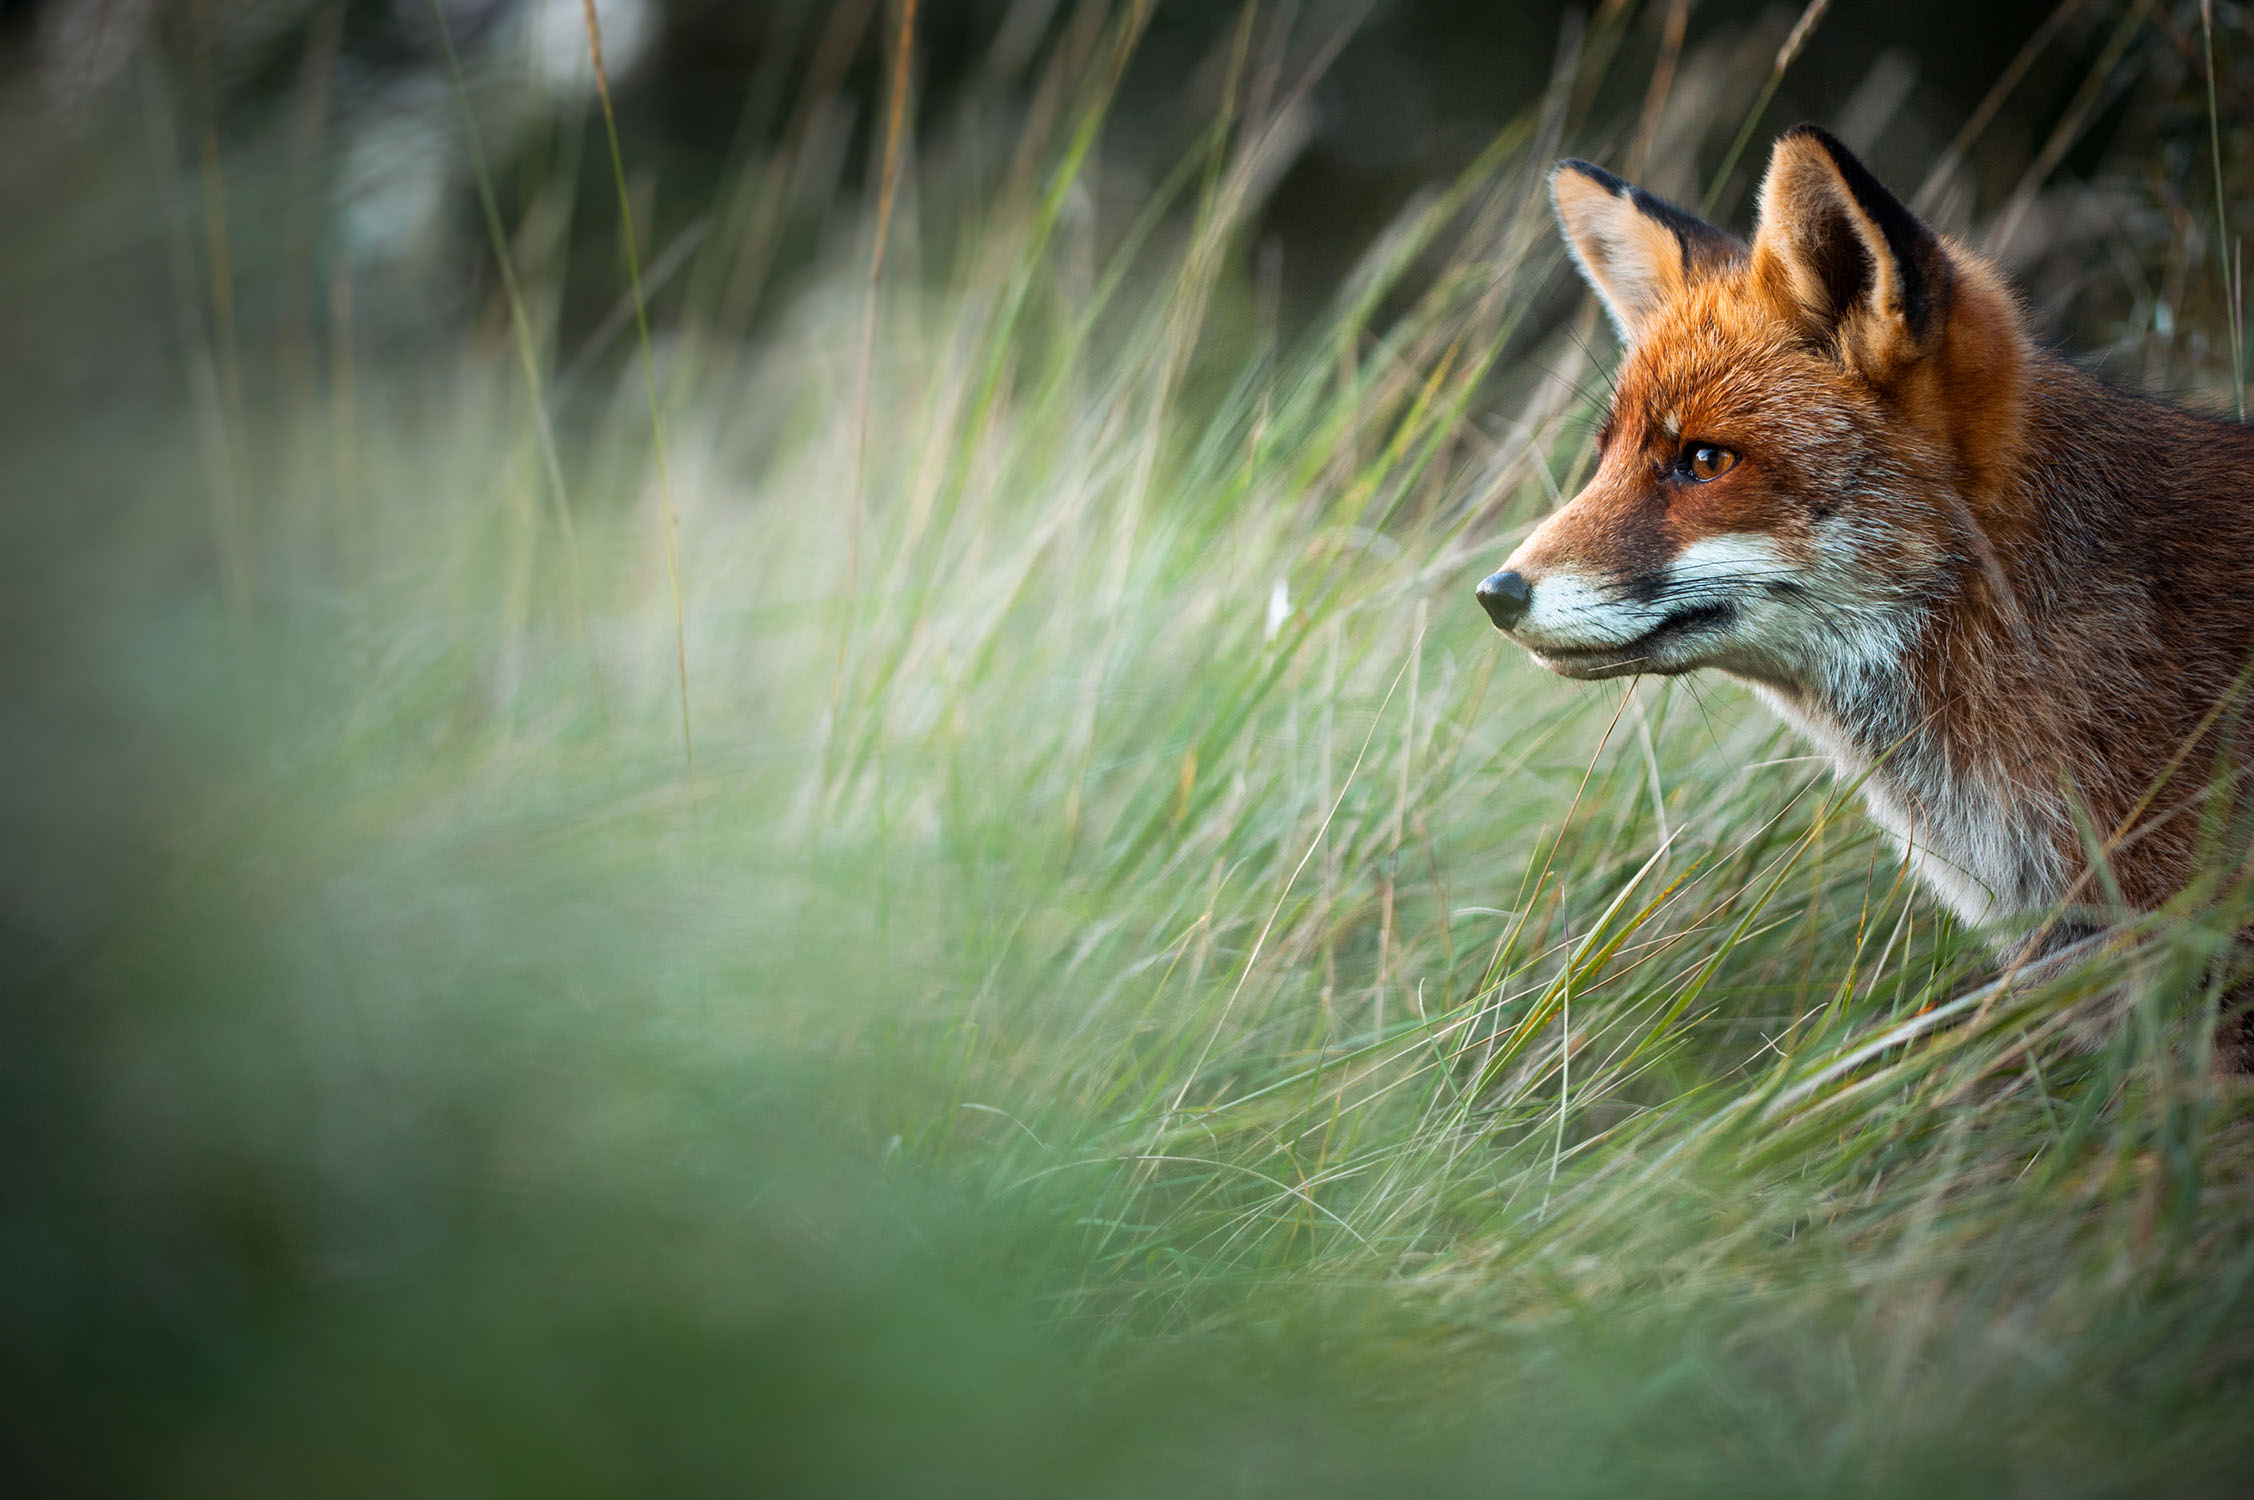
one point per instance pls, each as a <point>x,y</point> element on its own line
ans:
<point>1704,461</point>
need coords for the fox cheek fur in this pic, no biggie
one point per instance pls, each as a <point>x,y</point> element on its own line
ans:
<point>1838,467</point>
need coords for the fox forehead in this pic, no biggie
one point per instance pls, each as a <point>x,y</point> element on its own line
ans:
<point>1716,361</point>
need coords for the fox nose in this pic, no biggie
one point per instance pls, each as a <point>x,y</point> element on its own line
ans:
<point>1505,597</point>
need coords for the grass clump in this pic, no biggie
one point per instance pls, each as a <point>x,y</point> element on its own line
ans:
<point>1139,989</point>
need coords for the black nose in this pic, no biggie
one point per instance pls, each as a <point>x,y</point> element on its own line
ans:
<point>1505,596</point>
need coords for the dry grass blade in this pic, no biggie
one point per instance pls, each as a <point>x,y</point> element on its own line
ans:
<point>528,359</point>
<point>1788,53</point>
<point>888,182</point>
<point>672,515</point>
<point>2234,288</point>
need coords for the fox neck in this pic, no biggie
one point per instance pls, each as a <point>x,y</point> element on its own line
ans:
<point>1933,704</point>
<point>1984,843</point>
<point>1970,827</point>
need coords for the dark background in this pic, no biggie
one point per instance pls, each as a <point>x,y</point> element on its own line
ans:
<point>1411,98</point>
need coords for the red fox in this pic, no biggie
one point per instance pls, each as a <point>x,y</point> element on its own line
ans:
<point>2010,599</point>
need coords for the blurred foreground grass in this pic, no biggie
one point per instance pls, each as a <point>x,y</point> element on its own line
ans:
<point>1139,990</point>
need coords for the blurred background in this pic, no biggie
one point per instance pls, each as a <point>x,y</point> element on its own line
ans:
<point>343,110</point>
<point>772,772</point>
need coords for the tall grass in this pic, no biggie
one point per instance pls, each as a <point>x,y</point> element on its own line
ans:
<point>1139,988</point>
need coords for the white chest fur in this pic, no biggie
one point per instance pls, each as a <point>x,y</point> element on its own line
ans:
<point>1985,848</point>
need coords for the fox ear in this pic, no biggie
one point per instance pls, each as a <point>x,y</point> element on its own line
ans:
<point>1856,266</point>
<point>1636,251</point>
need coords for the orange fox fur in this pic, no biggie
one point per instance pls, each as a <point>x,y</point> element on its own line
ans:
<point>1838,467</point>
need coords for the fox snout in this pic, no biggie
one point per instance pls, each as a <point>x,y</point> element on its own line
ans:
<point>1677,614</point>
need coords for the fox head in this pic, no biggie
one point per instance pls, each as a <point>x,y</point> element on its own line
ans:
<point>1806,439</point>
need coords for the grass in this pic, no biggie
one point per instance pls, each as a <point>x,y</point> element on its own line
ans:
<point>1139,991</point>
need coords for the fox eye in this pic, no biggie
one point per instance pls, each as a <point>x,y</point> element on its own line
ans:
<point>1703,461</point>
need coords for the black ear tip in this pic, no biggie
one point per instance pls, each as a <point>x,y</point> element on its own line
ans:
<point>1832,145</point>
<point>1596,174</point>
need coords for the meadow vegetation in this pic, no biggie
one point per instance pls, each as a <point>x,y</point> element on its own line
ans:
<point>955,897</point>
